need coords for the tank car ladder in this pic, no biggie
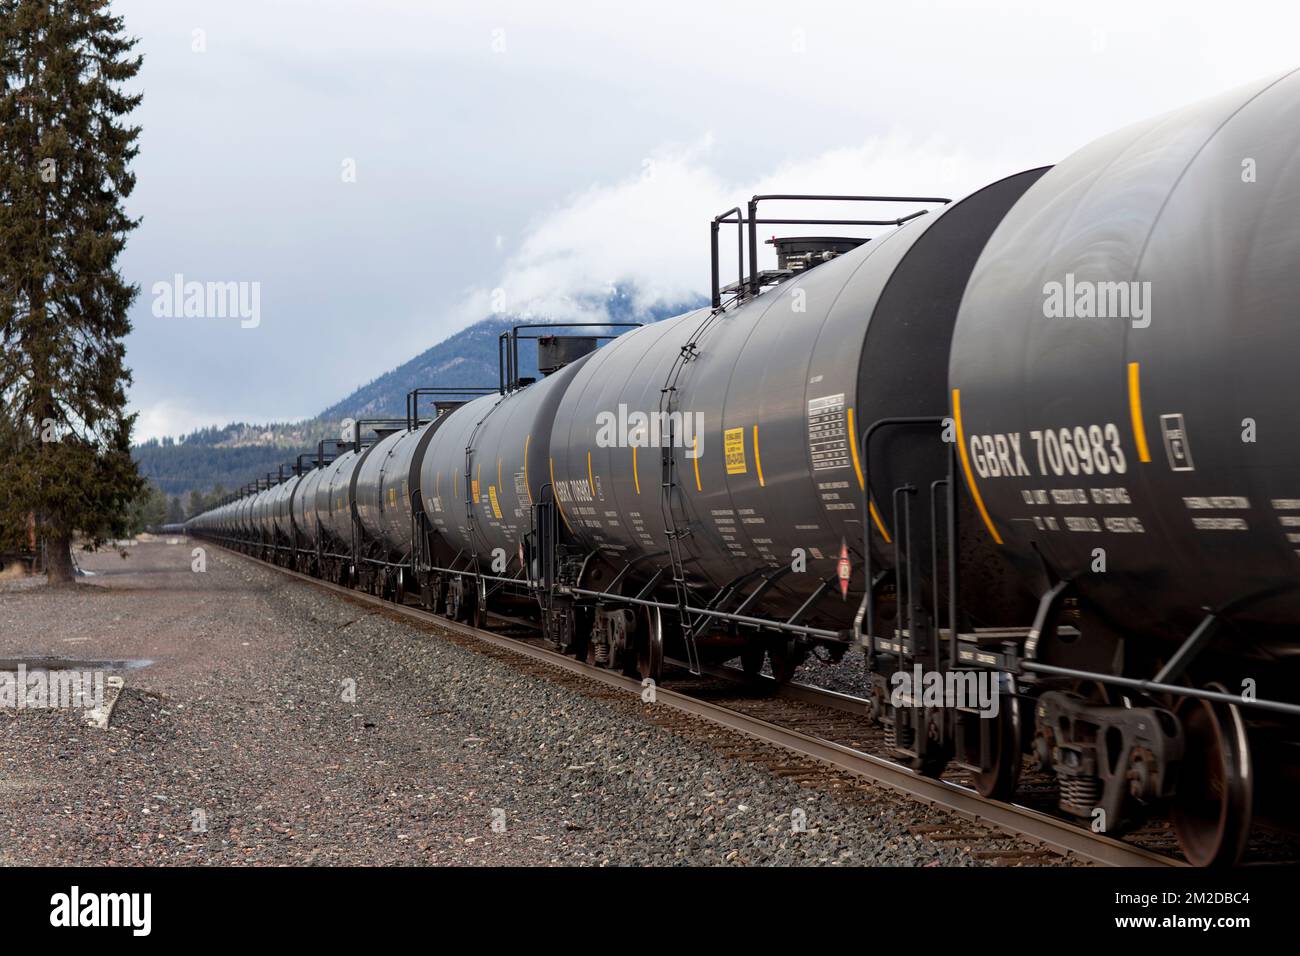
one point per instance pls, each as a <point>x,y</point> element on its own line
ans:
<point>670,494</point>
<point>471,502</point>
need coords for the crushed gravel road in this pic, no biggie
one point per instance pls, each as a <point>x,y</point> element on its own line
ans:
<point>264,721</point>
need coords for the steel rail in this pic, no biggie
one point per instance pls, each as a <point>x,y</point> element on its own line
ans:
<point>1059,835</point>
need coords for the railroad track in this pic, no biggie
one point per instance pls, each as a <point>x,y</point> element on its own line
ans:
<point>794,737</point>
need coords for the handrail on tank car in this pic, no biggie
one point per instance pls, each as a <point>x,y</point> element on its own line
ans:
<point>735,217</point>
<point>317,459</point>
<point>413,398</point>
<point>338,444</point>
<point>508,346</point>
<point>377,425</point>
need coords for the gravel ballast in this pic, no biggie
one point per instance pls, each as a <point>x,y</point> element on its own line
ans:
<point>268,722</point>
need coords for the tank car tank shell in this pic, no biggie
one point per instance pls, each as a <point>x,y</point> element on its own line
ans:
<point>256,524</point>
<point>1124,370</point>
<point>264,511</point>
<point>775,399</point>
<point>246,516</point>
<point>333,500</point>
<point>240,517</point>
<point>266,523</point>
<point>508,462</point>
<point>258,513</point>
<point>304,505</point>
<point>385,481</point>
<point>282,515</point>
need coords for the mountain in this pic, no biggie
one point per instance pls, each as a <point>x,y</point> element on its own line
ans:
<point>230,456</point>
<point>467,359</point>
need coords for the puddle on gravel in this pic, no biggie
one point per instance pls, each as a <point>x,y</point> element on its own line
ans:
<point>72,663</point>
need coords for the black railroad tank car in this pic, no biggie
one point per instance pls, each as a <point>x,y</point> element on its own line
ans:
<point>766,414</point>
<point>1162,438</point>
<point>482,471</point>
<point>1121,375</point>
<point>478,479</point>
<point>390,519</point>
<point>384,481</point>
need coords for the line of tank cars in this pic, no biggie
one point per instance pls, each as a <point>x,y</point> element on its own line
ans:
<point>1042,437</point>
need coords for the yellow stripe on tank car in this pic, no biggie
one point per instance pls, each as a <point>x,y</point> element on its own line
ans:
<point>1135,411</point>
<point>965,464</point>
<point>862,482</point>
<point>636,479</point>
<point>696,449</point>
<point>591,480</point>
<point>758,460</point>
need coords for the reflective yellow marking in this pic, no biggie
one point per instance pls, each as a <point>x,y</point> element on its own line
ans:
<point>591,481</point>
<point>500,484</point>
<point>1135,410</point>
<point>636,479</point>
<point>733,450</point>
<point>965,464</point>
<point>437,481</point>
<point>758,460</point>
<point>880,525</point>
<point>853,450</point>
<point>696,449</point>
<point>556,494</point>
<point>862,483</point>
<point>527,486</point>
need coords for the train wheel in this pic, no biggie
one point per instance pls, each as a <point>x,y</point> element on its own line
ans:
<point>475,603</point>
<point>786,655</point>
<point>578,632</point>
<point>625,643</point>
<point>1000,780</point>
<point>1215,798</point>
<point>650,645</point>
<point>932,763</point>
<point>751,659</point>
<point>399,587</point>
<point>454,596</point>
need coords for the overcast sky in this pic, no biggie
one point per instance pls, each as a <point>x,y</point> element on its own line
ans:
<point>381,167</point>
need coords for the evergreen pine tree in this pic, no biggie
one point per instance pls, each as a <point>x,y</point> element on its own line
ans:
<point>64,155</point>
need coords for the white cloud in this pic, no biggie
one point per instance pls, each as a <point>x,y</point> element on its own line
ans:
<point>649,231</point>
<point>166,418</point>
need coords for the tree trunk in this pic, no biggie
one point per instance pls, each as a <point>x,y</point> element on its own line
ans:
<point>58,570</point>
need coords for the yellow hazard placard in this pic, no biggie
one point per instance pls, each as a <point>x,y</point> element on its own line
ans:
<point>733,444</point>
